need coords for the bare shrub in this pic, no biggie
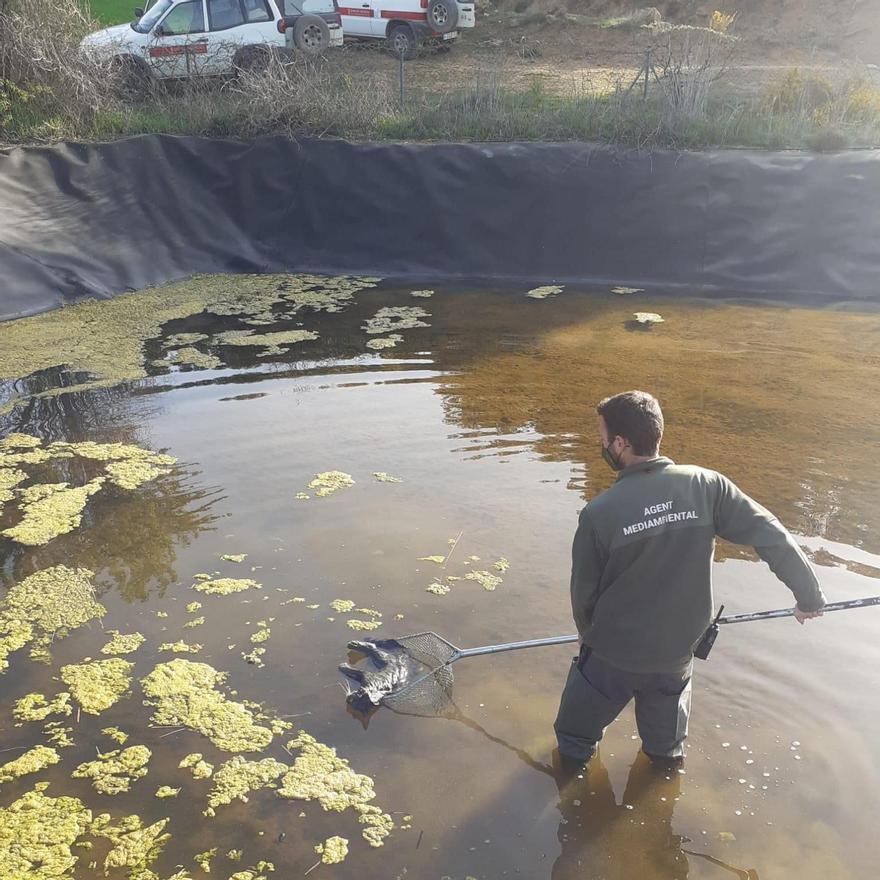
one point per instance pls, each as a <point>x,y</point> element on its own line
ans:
<point>690,60</point>
<point>43,73</point>
<point>309,96</point>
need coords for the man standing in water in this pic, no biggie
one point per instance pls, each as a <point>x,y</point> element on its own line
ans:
<point>641,583</point>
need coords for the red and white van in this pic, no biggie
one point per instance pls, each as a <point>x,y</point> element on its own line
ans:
<point>406,25</point>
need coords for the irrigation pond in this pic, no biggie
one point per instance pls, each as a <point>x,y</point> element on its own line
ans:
<point>207,489</point>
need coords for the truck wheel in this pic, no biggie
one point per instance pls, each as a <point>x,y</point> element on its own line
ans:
<point>442,16</point>
<point>133,82</point>
<point>251,59</point>
<point>402,41</point>
<point>311,35</point>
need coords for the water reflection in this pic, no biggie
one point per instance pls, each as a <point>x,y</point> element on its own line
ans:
<point>130,539</point>
<point>601,838</point>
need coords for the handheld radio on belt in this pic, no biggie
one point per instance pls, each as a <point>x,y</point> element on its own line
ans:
<point>705,643</point>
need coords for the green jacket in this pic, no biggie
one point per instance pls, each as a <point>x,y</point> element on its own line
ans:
<point>641,575</point>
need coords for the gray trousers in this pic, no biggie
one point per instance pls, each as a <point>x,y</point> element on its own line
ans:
<point>596,693</point>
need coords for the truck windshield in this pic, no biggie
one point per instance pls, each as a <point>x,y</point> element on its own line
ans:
<point>313,7</point>
<point>146,22</point>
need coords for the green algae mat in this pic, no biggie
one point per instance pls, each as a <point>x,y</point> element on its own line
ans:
<point>207,489</point>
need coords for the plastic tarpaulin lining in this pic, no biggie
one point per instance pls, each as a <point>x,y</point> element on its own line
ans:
<point>104,218</point>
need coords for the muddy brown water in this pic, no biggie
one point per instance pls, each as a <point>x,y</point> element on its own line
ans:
<point>487,417</point>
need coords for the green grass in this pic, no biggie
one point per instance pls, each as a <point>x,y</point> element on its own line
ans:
<point>109,12</point>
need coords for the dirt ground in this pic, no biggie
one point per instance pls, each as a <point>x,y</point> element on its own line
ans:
<point>540,44</point>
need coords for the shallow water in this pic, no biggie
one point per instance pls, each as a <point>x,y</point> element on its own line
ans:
<point>487,418</point>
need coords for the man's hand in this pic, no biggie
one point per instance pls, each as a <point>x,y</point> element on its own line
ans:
<point>802,616</point>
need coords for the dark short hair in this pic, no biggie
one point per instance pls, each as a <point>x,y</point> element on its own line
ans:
<point>636,416</point>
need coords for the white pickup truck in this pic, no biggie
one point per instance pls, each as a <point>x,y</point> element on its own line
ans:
<point>406,25</point>
<point>180,38</point>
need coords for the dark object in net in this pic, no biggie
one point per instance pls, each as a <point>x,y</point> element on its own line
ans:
<point>407,672</point>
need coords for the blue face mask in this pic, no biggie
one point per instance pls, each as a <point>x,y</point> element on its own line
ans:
<point>609,459</point>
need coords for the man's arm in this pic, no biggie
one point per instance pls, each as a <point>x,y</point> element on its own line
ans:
<point>587,562</point>
<point>742,520</point>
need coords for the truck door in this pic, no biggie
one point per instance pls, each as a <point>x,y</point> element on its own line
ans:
<point>233,24</point>
<point>358,17</point>
<point>178,40</point>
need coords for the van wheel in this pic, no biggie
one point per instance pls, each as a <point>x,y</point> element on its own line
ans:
<point>442,15</point>
<point>133,82</point>
<point>402,41</point>
<point>311,35</point>
<point>251,59</point>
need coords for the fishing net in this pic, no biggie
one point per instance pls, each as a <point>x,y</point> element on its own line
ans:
<point>410,674</point>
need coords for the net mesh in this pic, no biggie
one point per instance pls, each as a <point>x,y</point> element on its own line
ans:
<point>410,674</point>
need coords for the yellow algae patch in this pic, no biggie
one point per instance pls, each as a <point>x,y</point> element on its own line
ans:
<point>271,342</point>
<point>424,294</point>
<point>37,833</point>
<point>383,342</point>
<point>58,734</point>
<point>647,318</point>
<point>183,692</point>
<point>623,291</point>
<point>44,606</point>
<point>378,824</point>
<point>371,612</point>
<point>98,684</point>
<point>226,586</point>
<point>203,576</point>
<point>135,846</point>
<point>32,761</point>
<point>166,791</point>
<point>181,339</point>
<point>203,859</point>
<point>485,579</point>
<point>200,769</point>
<point>501,565</point>
<point>333,850</point>
<point>254,657</point>
<point>192,624</point>
<point>122,644</point>
<point>342,606</point>
<point>256,872</point>
<point>382,477</point>
<point>190,356</point>
<point>392,318</point>
<point>438,589</point>
<point>35,707</point>
<point>238,777</point>
<point>20,441</point>
<point>115,734</point>
<point>302,496</point>
<point>234,855</point>
<point>318,773</point>
<point>161,614</point>
<point>438,559</point>
<point>328,482</point>
<point>234,557</point>
<point>545,291</point>
<point>105,339</point>
<point>49,510</point>
<point>9,479</point>
<point>113,772</point>
<point>192,607</point>
<point>262,634</point>
<point>364,625</point>
<point>128,466</point>
<point>180,648</point>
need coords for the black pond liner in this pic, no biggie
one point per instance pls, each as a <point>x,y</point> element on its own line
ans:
<point>100,219</point>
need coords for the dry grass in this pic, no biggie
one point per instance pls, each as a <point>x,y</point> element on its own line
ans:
<point>48,91</point>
